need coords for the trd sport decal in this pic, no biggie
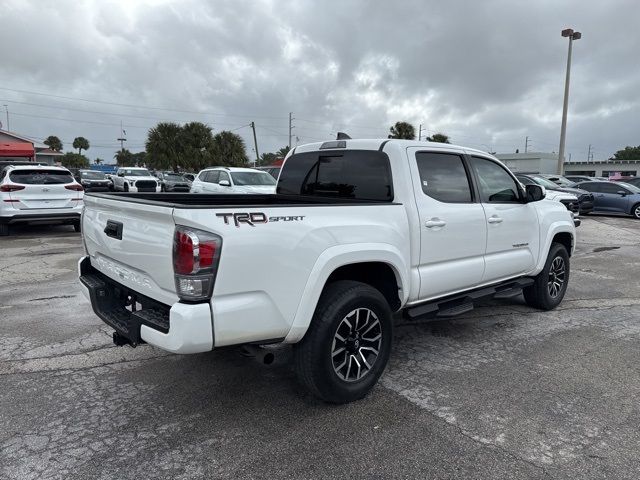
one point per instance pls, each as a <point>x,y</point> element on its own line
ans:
<point>254,218</point>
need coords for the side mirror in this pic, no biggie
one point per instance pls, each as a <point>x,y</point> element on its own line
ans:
<point>224,183</point>
<point>535,193</point>
<point>120,174</point>
<point>621,192</point>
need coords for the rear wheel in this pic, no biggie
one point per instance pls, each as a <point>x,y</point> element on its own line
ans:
<point>635,211</point>
<point>550,284</point>
<point>348,343</point>
<point>4,229</point>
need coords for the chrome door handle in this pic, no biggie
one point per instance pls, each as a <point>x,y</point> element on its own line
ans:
<point>434,222</point>
<point>494,219</point>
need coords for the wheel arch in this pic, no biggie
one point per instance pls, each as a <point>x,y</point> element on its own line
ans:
<point>380,265</point>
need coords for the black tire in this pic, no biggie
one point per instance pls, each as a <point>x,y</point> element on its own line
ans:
<point>162,188</point>
<point>315,354</point>
<point>4,229</point>
<point>126,187</point>
<point>77,227</point>
<point>545,294</point>
<point>635,211</point>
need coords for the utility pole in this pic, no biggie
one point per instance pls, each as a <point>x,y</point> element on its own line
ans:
<point>121,139</point>
<point>255,142</point>
<point>589,154</point>
<point>6,109</point>
<point>290,127</point>
<point>563,129</point>
<point>526,144</point>
<point>420,133</point>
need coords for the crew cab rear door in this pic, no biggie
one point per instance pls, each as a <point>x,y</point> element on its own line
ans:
<point>512,226</point>
<point>453,229</point>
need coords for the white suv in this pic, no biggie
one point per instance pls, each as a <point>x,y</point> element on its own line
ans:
<point>38,193</point>
<point>233,180</point>
<point>135,179</point>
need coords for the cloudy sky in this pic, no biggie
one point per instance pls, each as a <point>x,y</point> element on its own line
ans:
<point>486,73</point>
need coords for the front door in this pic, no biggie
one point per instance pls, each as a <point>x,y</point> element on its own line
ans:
<point>512,225</point>
<point>453,230</point>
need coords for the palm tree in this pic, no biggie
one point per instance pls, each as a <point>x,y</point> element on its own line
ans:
<point>124,158</point>
<point>229,149</point>
<point>196,145</point>
<point>81,143</point>
<point>402,130</point>
<point>164,145</point>
<point>54,143</point>
<point>439,138</point>
<point>283,152</point>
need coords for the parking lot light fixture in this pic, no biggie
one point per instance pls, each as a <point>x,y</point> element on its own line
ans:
<point>572,35</point>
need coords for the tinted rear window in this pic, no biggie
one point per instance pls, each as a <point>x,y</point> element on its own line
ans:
<point>357,174</point>
<point>40,177</point>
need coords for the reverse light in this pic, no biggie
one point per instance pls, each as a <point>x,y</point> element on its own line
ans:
<point>196,255</point>
<point>75,187</point>
<point>10,187</point>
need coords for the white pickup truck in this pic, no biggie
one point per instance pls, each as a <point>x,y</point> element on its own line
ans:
<point>135,179</point>
<point>357,230</point>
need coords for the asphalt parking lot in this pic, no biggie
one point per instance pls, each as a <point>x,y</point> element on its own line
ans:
<point>501,392</point>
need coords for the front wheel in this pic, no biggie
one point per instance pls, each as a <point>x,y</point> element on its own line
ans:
<point>77,227</point>
<point>126,187</point>
<point>348,343</point>
<point>550,284</point>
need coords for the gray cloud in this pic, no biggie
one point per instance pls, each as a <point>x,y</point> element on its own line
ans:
<point>486,73</point>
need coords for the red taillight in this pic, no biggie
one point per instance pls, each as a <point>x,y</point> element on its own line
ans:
<point>75,186</point>
<point>196,255</point>
<point>183,254</point>
<point>11,188</point>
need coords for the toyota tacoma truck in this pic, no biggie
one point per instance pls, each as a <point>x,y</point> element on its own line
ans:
<point>357,230</point>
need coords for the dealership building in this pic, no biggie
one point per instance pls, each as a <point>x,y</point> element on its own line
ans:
<point>542,162</point>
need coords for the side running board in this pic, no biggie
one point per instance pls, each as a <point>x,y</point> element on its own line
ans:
<point>462,303</point>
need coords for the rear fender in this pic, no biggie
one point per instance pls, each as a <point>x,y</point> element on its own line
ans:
<point>334,258</point>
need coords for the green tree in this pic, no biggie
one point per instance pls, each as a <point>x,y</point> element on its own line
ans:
<point>438,138</point>
<point>81,143</point>
<point>74,160</point>
<point>196,146</point>
<point>124,158</point>
<point>283,152</point>
<point>98,161</point>
<point>402,130</point>
<point>267,159</point>
<point>54,143</point>
<point>228,149</point>
<point>139,158</point>
<point>628,153</point>
<point>164,146</point>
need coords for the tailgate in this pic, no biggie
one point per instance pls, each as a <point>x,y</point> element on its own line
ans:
<point>132,244</point>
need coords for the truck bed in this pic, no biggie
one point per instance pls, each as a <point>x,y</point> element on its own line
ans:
<point>201,200</point>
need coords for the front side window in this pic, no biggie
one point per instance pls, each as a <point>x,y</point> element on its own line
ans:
<point>611,188</point>
<point>496,185</point>
<point>443,177</point>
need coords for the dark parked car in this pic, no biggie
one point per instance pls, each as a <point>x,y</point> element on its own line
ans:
<point>585,198</point>
<point>189,177</point>
<point>274,171</point>
<point>93,180</point>
<point>173,182</point>
<point>614,197</point>
<point>579,178</point>
<point>632,181</point>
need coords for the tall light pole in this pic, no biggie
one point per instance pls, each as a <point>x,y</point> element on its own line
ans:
<point>6,109</point>
<point>563,130</point>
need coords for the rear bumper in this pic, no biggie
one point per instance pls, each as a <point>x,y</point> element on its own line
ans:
<point>180,328</point>
<point>70,217</point>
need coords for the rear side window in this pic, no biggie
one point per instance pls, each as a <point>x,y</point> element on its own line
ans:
<point>356,174</point>
<point>444,177</point>
<point>590,187</point>
<point>40,177</point>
